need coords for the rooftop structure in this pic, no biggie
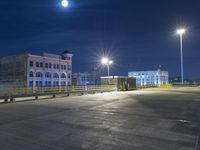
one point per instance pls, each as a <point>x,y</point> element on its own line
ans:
<point>122,83</point>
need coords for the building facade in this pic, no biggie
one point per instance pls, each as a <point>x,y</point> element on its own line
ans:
<point>82,79</point>
<point>29,70</point>
<point>150,78</point>
<point>92,77</point>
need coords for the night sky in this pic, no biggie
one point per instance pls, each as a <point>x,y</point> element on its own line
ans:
<point>136,34</point>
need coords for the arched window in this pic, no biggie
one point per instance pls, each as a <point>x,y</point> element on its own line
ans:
<point>31,74</point>
<point>48,75</point>
<point>39,75</point>
<point>55,75</point>
<point>63,76</point>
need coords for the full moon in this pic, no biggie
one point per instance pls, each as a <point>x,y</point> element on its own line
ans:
<point>65,3</point>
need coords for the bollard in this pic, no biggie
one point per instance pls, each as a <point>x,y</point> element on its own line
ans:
<point>36,97</point>
<point>12,99</point>
<point>6,100</point>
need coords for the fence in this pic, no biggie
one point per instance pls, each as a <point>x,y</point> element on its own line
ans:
<point>12,93</point>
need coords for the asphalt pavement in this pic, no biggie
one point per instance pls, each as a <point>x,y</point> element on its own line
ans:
<point>150,119</point>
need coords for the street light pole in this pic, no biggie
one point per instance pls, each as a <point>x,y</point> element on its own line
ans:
<point>181,45</point>
<point>180,32</point>
<point>108,69</point>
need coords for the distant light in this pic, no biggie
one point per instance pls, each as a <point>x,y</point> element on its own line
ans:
<point>110,62</point>
<point>181,31</point>
<point>104,60</point>
<point>65,3</point>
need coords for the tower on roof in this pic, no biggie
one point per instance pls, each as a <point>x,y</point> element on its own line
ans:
<point>67,55</point>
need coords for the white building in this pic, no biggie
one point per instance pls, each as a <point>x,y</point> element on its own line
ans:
<point>27,70</point>
<point>49,70</point>
<point>150,78</point>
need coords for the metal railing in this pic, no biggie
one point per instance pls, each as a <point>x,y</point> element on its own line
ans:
<point>11,93</point>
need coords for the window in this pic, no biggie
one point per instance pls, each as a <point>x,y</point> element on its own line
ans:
<point>48,83</point>
<point>54,66</point>
<point>58,66</point>
<point>65,67</point>
<point>30,83</point>
<point>63,76</point>
<point>37,64</point>
<point>38,83</point>
<point>69,67</point>
<point>55,75</point>
<point>62,67</point>
<point>39,75</point>
<point>69,76</point>
<point>55,83</point>
<point>63,83</point>
<point>49,65</point>
<point>31,74</point>
<point>48,75</point>
<point>46,65</point>
<point>41,64</point>
<point>31,63</point>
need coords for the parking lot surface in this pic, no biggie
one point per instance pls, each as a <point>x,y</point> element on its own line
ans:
<point>150,119</point>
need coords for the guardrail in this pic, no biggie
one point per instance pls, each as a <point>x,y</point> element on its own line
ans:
<point>11,93</point>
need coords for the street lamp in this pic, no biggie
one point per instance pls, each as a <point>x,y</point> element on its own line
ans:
<point>180,32</point>
<point>106,61</point>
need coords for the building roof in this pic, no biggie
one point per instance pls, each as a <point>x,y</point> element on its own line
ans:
<point>115,77</point>
<point>67,52</point>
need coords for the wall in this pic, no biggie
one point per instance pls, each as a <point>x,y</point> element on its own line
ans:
<point>13,71</point>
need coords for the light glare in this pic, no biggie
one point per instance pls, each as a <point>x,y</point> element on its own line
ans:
<point>181,31</point>
<point>104,60</point>
<point>110,62</point>
<point>65,3</point>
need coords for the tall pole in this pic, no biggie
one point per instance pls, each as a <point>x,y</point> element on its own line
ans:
<point>182,71</point>
<point>108,69</point>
